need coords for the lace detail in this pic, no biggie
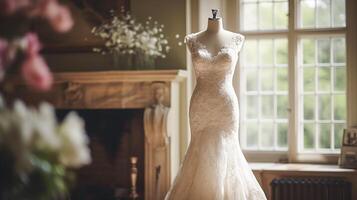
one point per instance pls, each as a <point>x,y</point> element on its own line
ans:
<point>238,41</point>
<point>194,45</point>
<point>190,43</point>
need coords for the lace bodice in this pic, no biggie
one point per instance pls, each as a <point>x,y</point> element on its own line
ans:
<point>204,60</point>
<point>218,66</point>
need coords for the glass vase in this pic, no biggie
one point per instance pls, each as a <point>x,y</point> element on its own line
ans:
<point>138,61</point>
<point>123,61</point>
<point>144,62</point>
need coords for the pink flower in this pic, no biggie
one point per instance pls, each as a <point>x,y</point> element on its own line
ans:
<point>62,20</point>
<point>33,44</point>
<point>36,73</point>
<point>58,16</point>
<point>8,7</point>
<point>43,8</point>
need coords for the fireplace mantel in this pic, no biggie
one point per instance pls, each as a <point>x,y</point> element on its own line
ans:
<point>101,90</point>
<point>120,76</point>
<point>161,93</point>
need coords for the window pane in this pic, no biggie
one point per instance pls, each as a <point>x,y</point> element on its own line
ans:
<point>325,136</point>
<point>267,108</point>
<point>307,9</point>
<point>324,78</point>
<point>339,50</point>
<point>339,13</point>
<point>267,135</point>
<point>309,79</point>
<point>340,79</point>
<point>250,16</point>
<point>264,15</point>
<point>251,76</point>
<point>281,13</point>
<point>267,78</point>
<point>281,51</point>
<point>282,106</point>
<point>324,107</point>
<point>309,107</point>
<point>282,135</point>
<point>252,135</point>
<point>282,79</point>
<point>323,50</point>
<point>266,52</point>
<point>250,52</point>
<point>322,13</point>
<point>252,107</point>
<point>338,133</point>
<point>309,136</point>
<point>308,51</point>
<point>340,107</point>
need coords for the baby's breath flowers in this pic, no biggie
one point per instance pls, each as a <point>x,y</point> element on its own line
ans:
<point>123,35</point>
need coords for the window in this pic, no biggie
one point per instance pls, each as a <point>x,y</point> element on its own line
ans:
<point>292,75</point>
<point>322,96</point>
<point>265,95</point>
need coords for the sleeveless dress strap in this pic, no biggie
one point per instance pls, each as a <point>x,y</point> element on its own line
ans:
<point>189,40</point>
<point>238,41</point>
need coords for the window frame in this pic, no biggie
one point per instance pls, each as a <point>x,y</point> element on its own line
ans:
<point>293,33</point>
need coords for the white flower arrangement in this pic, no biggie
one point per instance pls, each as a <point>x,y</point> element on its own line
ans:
<point>34,147</point>
<point>124,35</point>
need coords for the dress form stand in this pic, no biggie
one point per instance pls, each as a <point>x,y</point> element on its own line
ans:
<point>215,24</point>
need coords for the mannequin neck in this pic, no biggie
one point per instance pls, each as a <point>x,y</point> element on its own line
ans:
<point>215,25</point>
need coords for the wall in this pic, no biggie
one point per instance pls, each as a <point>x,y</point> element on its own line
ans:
<point>351,7</point>
<point>171,13</point>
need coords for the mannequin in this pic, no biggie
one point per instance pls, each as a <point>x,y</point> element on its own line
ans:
<point>215,36</point>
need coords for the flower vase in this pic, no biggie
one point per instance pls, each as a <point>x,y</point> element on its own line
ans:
<point>123,62</point>
<point>144,62</point>
<point>137,61</point>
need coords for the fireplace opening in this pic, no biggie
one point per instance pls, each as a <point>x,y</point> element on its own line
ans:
<point>115,136</point>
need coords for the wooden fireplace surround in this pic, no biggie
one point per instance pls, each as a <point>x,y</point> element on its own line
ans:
<point>161,93</point>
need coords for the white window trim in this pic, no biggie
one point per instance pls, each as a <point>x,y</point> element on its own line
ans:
<point>293,34</point>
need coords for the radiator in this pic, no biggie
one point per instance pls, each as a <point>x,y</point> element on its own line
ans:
<point>310,189</point>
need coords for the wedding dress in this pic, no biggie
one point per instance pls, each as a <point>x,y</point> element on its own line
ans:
<point>214,167</point>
